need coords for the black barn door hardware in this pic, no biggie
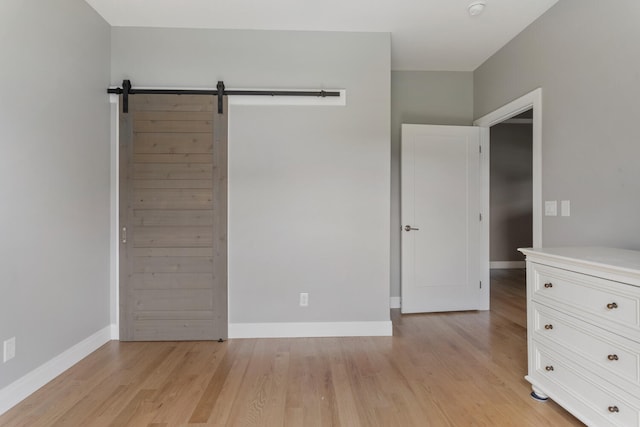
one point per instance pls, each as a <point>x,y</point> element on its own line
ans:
<point>127,90</point>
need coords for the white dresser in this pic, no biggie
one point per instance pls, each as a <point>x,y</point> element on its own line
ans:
<point>583,332</point>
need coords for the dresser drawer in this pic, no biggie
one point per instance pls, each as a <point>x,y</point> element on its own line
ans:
<point>573,387</point>
<point>614,358</point>
<point>598,299</point>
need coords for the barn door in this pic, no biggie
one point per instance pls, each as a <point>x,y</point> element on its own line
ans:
<point>173,219</point>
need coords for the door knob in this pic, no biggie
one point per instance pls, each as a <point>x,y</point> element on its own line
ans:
<point>409,228</point>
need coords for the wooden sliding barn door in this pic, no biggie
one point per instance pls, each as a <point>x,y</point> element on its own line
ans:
<point>173,219</point>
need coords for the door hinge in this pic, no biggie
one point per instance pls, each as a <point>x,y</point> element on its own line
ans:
<point>480,216</point>
<point>481,284</point>
<point>480,149</point>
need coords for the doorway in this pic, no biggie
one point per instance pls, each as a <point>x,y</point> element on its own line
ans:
<point>511,213</point>
<point>511,191</point>
<point>531,101</point>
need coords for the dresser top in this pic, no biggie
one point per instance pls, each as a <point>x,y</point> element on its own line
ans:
<point>622,259</point>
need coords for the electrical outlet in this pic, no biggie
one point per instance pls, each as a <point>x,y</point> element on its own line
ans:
<point>304,299</point>
<point>9,349</point>
<point>551,208</point>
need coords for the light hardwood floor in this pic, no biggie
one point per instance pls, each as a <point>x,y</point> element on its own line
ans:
<point>454,369</point>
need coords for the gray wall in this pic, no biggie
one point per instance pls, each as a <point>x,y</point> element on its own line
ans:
<point>54,178</point>
<point>584,55</point>
<point>422,97</point>
<point>511,223</point>
<point>308,186</point>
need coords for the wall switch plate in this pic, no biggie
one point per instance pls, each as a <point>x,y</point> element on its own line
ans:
<point>551,208</point>
<point>9,349</point>
<point>304,299</point>
<point>565,208</point>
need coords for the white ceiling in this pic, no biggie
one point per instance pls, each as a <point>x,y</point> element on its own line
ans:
<point>425,34</point>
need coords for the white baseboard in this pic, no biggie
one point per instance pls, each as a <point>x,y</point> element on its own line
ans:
<point>20,389</point>
<point>310,329</point>
<point>395,302</point>
<point>506,264</point>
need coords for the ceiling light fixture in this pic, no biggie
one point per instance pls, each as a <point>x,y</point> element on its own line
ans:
<point>476,7</point>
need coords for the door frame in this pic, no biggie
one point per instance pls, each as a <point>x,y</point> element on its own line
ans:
<point>531,100</point>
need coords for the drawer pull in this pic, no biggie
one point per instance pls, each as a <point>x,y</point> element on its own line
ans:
<point>548,326</point>
<point>548,368</point>
<point>612,305</point>
<point>613,409</point>
<point>612,357</point>
<point>548,285</point>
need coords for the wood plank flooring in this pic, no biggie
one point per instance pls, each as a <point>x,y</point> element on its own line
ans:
<point>452,369</point>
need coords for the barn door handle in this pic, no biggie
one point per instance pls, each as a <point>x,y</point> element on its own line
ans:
<point>409,228</point>
<point>123,235</point>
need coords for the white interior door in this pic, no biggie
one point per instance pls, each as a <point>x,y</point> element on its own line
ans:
<point>440,213</point>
